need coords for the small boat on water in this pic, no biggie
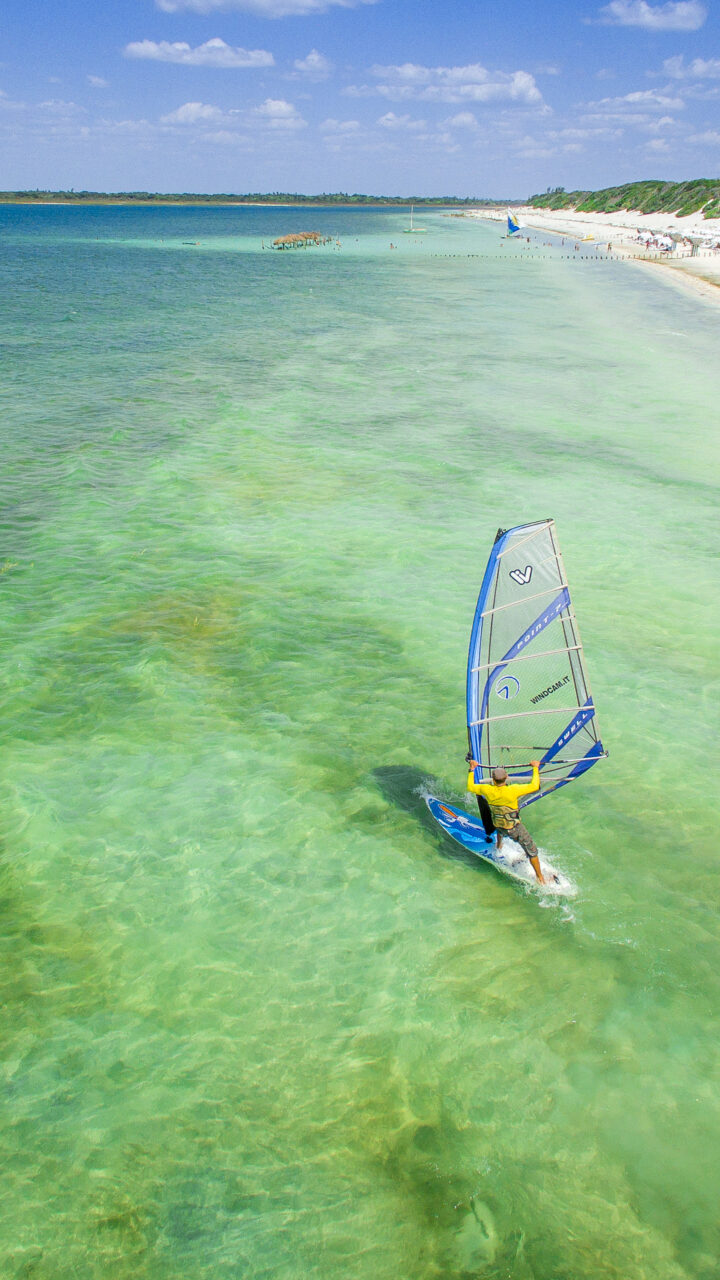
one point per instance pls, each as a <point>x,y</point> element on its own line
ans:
<point>413,230</point>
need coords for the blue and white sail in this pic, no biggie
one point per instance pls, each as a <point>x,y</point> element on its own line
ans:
<point>528,696</point>
<point>513,226</point>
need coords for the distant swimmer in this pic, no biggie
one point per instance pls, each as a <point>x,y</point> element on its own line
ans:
<point>502,799</point>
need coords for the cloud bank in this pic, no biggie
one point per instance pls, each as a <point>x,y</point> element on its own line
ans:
<point>698,69</point>
<point>315,66</point>
<point>192,113</point>
<point>473,83</point>
<point>214,53</point>
<point>261,8</point>
<point>276,113</point>
<point>676,15</point>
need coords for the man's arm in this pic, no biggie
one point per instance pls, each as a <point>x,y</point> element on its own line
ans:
<point>477,788</point>
<point>534,784</point>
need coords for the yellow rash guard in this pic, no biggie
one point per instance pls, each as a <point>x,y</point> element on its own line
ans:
<point>503,800</point>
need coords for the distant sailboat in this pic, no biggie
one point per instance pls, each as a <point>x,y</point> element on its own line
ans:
<point>513,226</point>
<point>413,230</point>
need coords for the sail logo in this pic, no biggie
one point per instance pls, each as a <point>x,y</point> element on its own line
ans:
<point>522,576</point>
<point>508,688</point>
<point>552,688</point>
<point>586,713</point>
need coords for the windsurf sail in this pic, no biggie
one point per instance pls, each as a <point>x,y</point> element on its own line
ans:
<point>513,226</point>
<point>528,696</point>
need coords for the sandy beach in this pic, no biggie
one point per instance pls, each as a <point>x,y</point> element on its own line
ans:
<point>617,233</point>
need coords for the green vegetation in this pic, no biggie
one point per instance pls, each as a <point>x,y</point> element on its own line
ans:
<point>682,198</point>
<point>274,197</point>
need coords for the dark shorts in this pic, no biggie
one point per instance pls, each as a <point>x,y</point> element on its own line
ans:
<point>520,834</point>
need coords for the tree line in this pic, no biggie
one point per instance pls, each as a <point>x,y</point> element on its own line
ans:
<point>37,196</point>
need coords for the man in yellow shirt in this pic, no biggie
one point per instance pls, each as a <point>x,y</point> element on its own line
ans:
<point>502,799</point>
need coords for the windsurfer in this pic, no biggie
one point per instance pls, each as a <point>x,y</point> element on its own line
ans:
<point>502,799</point>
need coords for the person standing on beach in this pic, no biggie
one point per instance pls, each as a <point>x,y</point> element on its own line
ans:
<point>502,798</point>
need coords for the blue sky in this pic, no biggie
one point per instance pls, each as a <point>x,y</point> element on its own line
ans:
<point>383,96</point>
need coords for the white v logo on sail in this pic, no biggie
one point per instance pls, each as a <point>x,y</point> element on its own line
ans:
<point>522,576</point>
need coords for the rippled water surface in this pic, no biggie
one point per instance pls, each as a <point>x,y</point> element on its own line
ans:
<point>259,1019</point>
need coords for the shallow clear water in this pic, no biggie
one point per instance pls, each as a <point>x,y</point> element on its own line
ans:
<point>260,1020</point>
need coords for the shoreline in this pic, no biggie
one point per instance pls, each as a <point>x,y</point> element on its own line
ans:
<point>615,233</point>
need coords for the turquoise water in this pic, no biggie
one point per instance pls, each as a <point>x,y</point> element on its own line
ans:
<point>260,1020</point>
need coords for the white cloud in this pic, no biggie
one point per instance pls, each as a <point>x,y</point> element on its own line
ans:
<point>583,134</point>
<point>676,15</point>
<point>472,83</point>
<point>192,113</point>
<point>340,126</point>
<point>261,8</point>
<point>391,121</point>
<point>56,107</point>
<point>463,120</point>
<point>316,66</point>
<point>711,137</point>
<point>647,99</point>
<point>214,53</point>
<point>658,146</point>
<point>276,113</point>
<point>127,126</point>
<point>97,82</point>
<point>698,69</point>
<point>640,110</point>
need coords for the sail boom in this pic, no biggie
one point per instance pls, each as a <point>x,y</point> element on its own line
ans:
<point>525,764</point>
